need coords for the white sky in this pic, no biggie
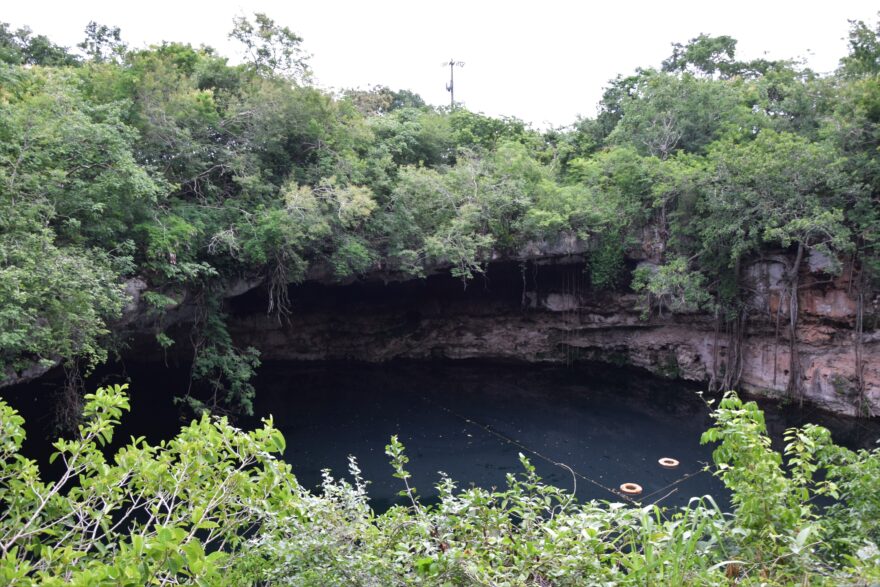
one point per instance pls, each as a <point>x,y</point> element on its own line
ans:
<point>545,62</point>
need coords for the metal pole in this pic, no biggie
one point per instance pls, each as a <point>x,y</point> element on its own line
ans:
<point>451,84</point>
<point>450,87</point>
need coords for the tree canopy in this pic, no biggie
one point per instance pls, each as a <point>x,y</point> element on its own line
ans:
<point>173,164</point>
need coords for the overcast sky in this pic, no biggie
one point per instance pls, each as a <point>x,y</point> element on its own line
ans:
<point>543,61</point>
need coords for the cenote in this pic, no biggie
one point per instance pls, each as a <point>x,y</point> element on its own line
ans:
<point>470,420</point>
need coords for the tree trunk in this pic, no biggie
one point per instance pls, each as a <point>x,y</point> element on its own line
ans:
<point>733,366</point>
<point>794,369</point>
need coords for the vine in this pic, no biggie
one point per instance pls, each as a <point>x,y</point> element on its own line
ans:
<point>69,406</point>
<point>218,366</point>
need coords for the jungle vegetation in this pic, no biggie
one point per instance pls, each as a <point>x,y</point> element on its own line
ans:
<point>188,171</point>
<point>176,166</point>
<point>215,505</point>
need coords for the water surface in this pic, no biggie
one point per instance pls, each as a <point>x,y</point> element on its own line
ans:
<point>607,426</point>
<point>471,421</point>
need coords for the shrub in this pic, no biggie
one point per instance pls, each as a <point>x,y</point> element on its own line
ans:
<point>215,506</point>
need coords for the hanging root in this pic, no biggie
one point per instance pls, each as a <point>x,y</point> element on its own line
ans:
<point>733,367</point>
<point>69,407</point>
<point>794,389</point>
<point>776,336</point>
<point>713,381</point>
<point>863,407</point>
<point>279,298</point>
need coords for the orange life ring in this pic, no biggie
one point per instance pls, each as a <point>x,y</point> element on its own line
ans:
<point>668,463</point>
<point>631,488</point>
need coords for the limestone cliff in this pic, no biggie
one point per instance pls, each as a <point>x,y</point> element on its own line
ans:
<point>544,311</point>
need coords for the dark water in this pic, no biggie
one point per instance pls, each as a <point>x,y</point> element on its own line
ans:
<point>470,421</point>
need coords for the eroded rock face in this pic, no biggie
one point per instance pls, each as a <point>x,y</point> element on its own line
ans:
<point>30,373</point>
<point>547,313</point>
<point>543,310</point>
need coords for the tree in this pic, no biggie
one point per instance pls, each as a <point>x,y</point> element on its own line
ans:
<point>271,48</point>
<point>460,214</point>
<point>412,137</point>
<point>854,127</point>
<point>379,100</point>
<point>704,55</point>
<point>55,302</point>
<point>663,113</point>
<point>22,47</point>
<point>70,191</point>
<point>671,286</point>
<point>707,56</point>
<point>103,43</point>
<point>863,59</point>
<point>781,190</point>
<point>473,130</point>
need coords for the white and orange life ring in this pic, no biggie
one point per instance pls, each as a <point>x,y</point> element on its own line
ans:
<point>631,488</point>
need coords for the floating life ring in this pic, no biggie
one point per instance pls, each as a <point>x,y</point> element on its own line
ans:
<point>668,463</point>
<point>631,488</point>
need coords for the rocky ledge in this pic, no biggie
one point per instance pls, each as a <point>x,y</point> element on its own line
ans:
<point>546,312</point>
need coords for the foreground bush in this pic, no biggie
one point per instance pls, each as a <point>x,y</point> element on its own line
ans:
<point>215,506</point>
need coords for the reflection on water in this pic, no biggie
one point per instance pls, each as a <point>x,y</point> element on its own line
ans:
<point>470,420</point>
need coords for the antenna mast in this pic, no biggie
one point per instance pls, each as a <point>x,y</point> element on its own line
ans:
<point>450,87</point>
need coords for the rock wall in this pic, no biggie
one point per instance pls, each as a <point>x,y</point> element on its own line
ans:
<point>546,312</point>
<point>543,310</point>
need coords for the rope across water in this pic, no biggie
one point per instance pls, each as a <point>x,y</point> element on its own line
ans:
<point>617,494</point>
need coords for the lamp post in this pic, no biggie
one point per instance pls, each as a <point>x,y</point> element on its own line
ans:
<point>450,87</point>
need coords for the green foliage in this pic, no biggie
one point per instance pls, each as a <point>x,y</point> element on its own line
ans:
<point>707,55</point>
<point>270,47</point>
<point>778,189</point>
<point>352,257</point>
<point>70,160</point>
<point>228,372</point>
<point>411,136</point>
<point>221,372</point>
<point>55,302</point>
<point>382,100</point>
<point>459,214</point>
<point>477,131</point>
<point>170,164</point>
<point>775,524</point>
<point>173,513</point>
<point>606,263</point>
<point>664,113</point>
<point>671,287</point>
<point>215,505</point>
<point>22,47</point>
<point>864,50</point>
<point>103,43</point>
<point>769,505</point>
